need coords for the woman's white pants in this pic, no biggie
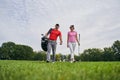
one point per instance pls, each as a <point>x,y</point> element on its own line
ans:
<point>72,46</point>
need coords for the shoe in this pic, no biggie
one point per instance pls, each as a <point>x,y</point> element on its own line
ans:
<point>47,61</point>
<point>71,61</point>
<point>74,61</point>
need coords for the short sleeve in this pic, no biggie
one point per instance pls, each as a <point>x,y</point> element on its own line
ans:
<point>60,34</point>
<point>49,31</point>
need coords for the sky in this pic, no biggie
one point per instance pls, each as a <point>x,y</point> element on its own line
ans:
<point>97,22</point>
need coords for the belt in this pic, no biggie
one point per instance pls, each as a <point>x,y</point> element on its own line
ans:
<point>52,40</point>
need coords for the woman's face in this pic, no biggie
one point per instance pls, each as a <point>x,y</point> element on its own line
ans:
<point>71,28</point>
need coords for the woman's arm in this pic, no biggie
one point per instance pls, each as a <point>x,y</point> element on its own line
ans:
<point>67,40</point>
<point>77,40</point>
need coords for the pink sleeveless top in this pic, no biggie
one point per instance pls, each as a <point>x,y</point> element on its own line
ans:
<point>72,36</point>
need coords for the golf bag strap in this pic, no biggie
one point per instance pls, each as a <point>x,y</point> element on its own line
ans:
<point>49,31</point>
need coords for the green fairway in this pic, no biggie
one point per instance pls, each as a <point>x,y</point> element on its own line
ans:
<point>36,70</point>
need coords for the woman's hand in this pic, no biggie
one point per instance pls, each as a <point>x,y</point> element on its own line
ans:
<point>67,46</point>
<point>78,44</point>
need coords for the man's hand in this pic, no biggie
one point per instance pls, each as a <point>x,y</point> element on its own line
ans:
<point>60,42</point>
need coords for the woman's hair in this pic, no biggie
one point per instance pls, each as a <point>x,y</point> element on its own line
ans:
<point>72,26</point>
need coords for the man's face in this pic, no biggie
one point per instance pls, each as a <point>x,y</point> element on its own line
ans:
<point>57,27</point>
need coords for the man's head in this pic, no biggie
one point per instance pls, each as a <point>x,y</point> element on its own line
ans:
<point>57,26</point>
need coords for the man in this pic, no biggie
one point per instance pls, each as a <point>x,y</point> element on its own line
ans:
<point>53,35</point>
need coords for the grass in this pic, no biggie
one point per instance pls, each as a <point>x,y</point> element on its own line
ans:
<point>36,70</point>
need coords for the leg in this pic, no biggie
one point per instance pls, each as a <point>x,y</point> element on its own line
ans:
<point>73,45</point>
<point>48,51</point>
<point>53,50</point>
<point>71,51</point>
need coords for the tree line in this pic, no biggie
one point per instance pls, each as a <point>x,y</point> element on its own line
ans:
<point>12,51</point>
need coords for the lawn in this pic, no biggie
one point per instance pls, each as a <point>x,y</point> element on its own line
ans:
<point>37,70</point>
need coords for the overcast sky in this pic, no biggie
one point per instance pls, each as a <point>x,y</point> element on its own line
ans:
<point>23,21</point>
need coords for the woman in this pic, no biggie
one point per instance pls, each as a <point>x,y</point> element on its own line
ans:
<point>71,42</point>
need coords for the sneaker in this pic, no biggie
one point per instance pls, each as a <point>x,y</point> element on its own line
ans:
<point>47,61</point>
<point>71,61</point>
<point>74,61</point>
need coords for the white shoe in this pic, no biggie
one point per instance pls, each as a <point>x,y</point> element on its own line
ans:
<point>71,61</point>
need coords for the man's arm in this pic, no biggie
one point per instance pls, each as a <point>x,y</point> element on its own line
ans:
<point>48,32</point>
<point>60,37</point>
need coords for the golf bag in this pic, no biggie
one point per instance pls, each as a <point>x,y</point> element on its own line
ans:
<point>44,40</point>
<point>44,43</point>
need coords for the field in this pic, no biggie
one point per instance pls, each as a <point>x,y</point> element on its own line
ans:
<point>37,70</point>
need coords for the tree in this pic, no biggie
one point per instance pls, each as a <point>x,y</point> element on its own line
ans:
<point>108,54</point>
<point>63,57</point>
<point>10,50</point>
<point>116,49</point>
<point>40,56</point>
<point>84,56</point>
<point>58,57</point>
<point>77,58</point>
<point>0,53</point>
<point>93,54</point>
<point>23,52</point>
<point>7,50</point>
